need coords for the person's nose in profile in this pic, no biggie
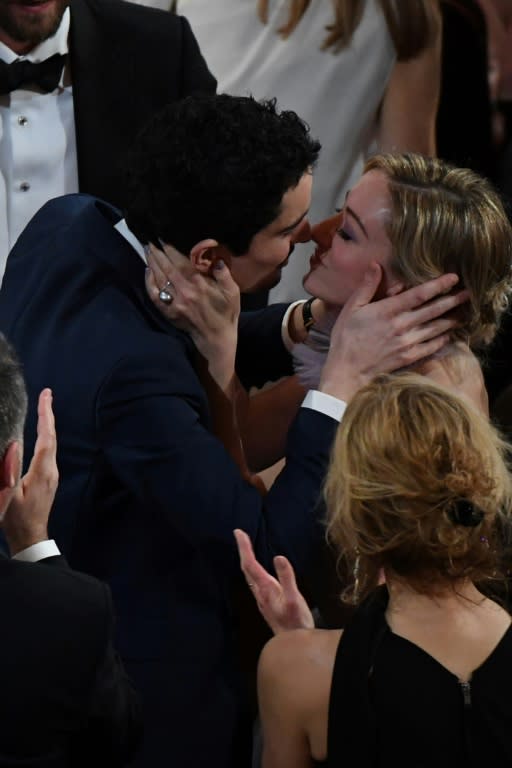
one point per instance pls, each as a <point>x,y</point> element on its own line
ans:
<point>303,233</point>
<point>323,232</point>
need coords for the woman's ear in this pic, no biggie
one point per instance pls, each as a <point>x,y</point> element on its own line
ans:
<point>395,288</point>
<point>206,253</point>
<point>390,285</point>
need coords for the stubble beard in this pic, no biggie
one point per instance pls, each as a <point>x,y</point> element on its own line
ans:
<point>31,30</point>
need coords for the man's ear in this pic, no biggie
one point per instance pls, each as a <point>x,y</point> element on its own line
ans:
<point>10,472</point>
<point>205,253</point>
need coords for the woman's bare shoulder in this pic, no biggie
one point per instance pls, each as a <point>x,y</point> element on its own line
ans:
<point>301,660</point>
<point>302,644</point>
<point>294,684</point>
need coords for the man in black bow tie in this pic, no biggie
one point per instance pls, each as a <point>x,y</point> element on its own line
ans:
<point>77,81</point>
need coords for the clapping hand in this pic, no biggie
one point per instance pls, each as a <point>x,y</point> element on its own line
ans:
<point>279,600</point>
<point>26,519</point>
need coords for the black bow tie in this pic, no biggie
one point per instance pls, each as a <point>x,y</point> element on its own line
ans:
<point>46,74</point>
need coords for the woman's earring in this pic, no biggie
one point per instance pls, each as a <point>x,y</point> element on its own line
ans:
<point>355,577</point>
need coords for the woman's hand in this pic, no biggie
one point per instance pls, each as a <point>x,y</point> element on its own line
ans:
<point>206,305</point>
<point>279,600</point>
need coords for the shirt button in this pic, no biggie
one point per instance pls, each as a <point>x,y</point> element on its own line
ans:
<point>22,120</point>
<point>24,186</point>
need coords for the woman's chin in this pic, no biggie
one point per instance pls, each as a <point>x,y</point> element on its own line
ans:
<point>308,282</point>
<point>315,288</point>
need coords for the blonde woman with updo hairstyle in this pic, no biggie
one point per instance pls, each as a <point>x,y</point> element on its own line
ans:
<point>364,74</point>
<point>418,218</point>
<point>418,492</point>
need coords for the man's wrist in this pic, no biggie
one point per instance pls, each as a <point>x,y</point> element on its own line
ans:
<point>308,318</point>
<point>302,317</point>
<point>343,387</point>
<point>17,541</point>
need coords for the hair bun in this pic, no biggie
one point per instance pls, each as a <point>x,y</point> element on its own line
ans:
<point>463,512</point>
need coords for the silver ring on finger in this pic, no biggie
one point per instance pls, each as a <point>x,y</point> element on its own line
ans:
<point>165,295</point>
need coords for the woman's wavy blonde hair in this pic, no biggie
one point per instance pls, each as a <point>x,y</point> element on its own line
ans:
<point>446,219</point>
<point>412,23</point>
<point>407,451</point>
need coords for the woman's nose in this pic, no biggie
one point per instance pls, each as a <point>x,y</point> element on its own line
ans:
<point>323,232</point>
<point>303,233</point>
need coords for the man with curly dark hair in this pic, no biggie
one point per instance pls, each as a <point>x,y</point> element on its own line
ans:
<point>155,495</point>
<point>241,158</point>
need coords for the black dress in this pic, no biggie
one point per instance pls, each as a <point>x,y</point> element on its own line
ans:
<point>392,704</point>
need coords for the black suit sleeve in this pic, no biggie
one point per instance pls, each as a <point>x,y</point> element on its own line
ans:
<point>113,723</point>
<point>261,355</point>
<point>55,561</point>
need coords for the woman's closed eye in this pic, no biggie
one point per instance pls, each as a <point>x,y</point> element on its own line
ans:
<point>344,234</point>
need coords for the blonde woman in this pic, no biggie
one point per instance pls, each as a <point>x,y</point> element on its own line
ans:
<point>417,487</point>
<point>362,73</point>
<point>418,217</point>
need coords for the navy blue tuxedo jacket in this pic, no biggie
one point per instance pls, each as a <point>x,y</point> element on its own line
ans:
<point>148,497</point>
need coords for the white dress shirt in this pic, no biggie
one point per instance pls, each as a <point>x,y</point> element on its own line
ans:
<point>162,5</point>
<point>317,401</point>
<point>38,159</point>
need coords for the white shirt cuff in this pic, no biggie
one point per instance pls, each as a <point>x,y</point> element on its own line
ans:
<point>38,551</point>
<point>285,333</point>
<point>324,403</point>
<point>122,228</point>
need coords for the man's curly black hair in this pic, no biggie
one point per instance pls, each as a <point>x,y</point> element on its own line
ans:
<point>215,166</point>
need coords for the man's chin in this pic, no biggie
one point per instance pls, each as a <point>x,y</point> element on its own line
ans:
<point>266,283</point>
<point>31,24</point>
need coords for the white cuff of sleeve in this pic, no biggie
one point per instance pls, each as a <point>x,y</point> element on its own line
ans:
<point>285,333</point>
<point>324,403</point>
<point>38,551</point>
